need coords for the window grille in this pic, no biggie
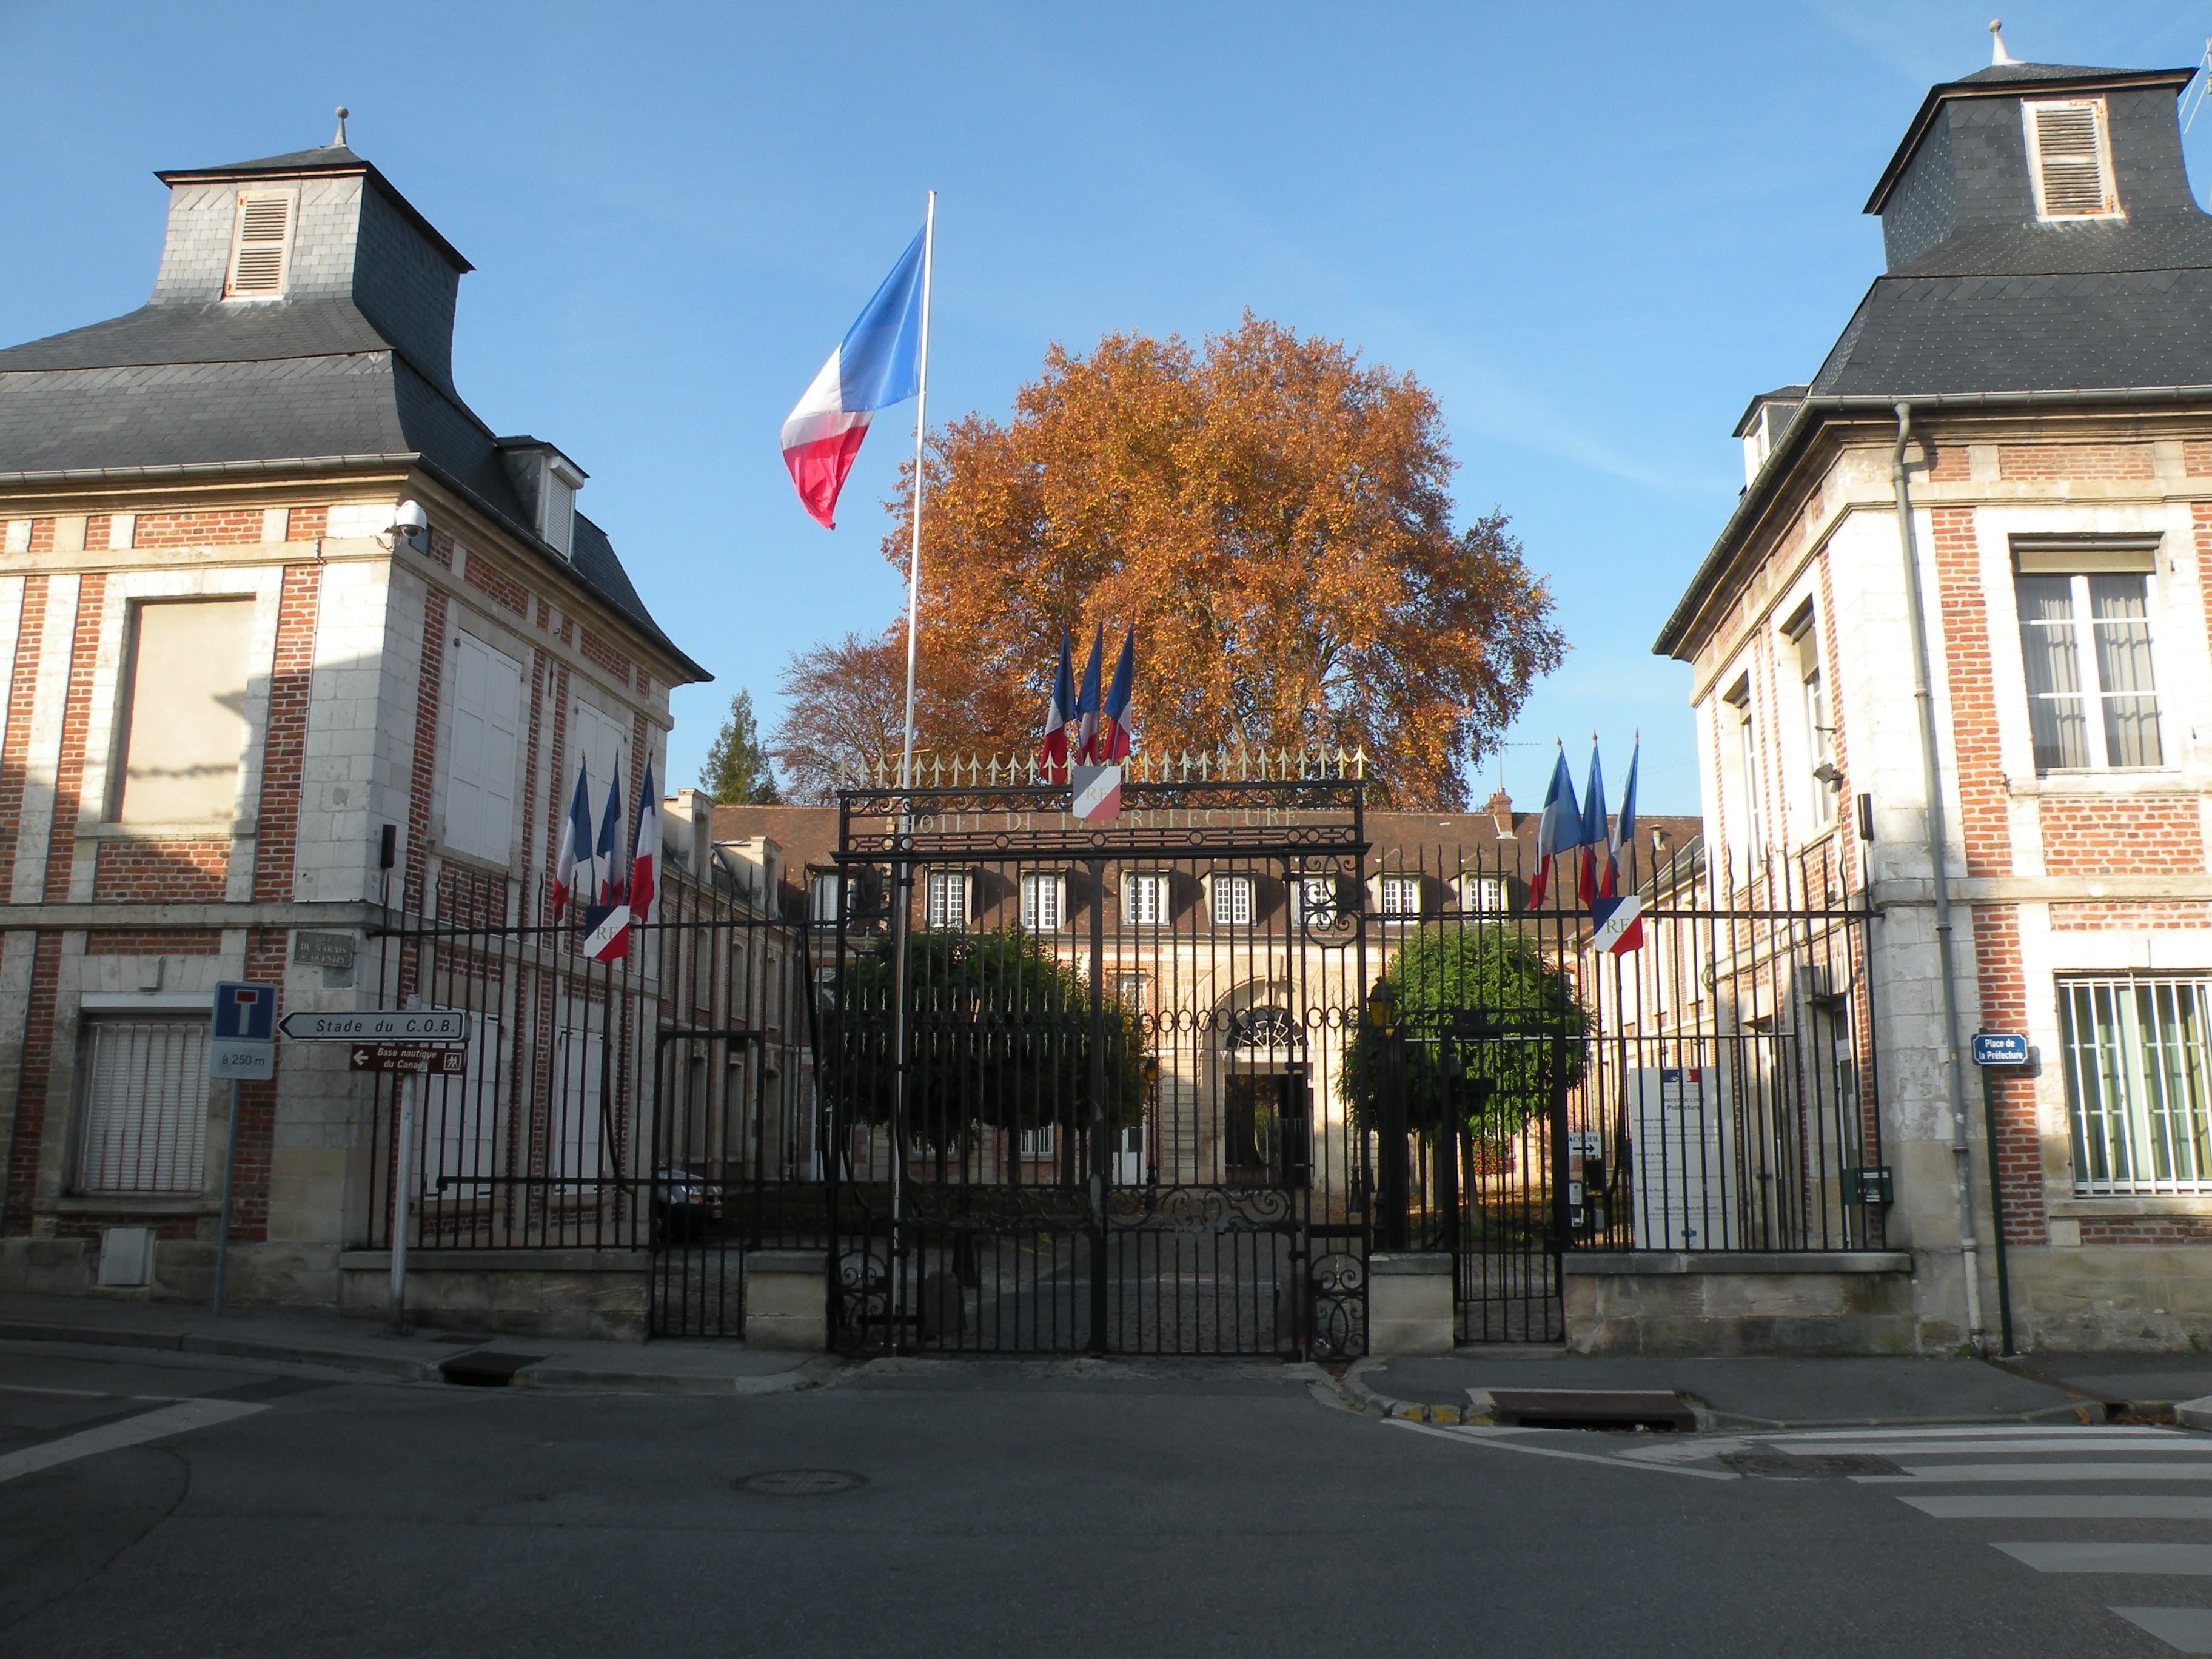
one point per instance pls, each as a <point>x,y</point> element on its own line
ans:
<point>1044,904</point>
<point>1232,901</point>
<point>145,1106</point>
<point>2085,645</point>
<point>2138,1083</point>
<point>1143,901</point>
<point>1037,1143</point>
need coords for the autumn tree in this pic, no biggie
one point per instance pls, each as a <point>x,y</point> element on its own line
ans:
<point>1272,516</point>
<point>738,769</point>
<point>843,703</point>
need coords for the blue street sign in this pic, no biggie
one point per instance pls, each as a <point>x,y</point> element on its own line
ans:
<point>1999,1048</point>
<point>245,1012</point>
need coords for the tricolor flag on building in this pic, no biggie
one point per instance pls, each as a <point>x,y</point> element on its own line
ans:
<point>645,851</point>
<point>1592,830</point>
<point>1114,743</point>
<point>876,364</point>
<point>1558,829</point>
<point>1086,704</point>
<point>1059,717</point>
<point>575,849</point>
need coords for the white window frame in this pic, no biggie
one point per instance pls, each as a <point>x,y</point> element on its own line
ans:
<point>1398,897</point>
<point>142,1104</point>
<point>2138,1090</point>
<point>1739,737</point>
<point>1133,990</point>
<point>483,750</point>
<point>1145,899</point>
<point>1486,895</point>
<point>1044,904</point>
<point>2090,687</point>
<point>283,285</point>
<point>1802,634</point>
<point>2032,112</point>
<point>1233,900</point>
<point>948,900</point>
<point>1313,900</point>
<point>822,898</point>
<point>1038,1143</point>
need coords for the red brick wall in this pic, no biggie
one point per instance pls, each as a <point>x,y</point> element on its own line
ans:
<point>478,573</point>
<point>600,654</point>
<point>15,745</point>
<point>265,951</point>
<point>1983,822</point>
<point>2018,1150</point>
<point>22,1172</point>
<point>2100,917</point>
<point>2115,837</point>
<point>284,744</point>
<point>307,523</point>
<point>2196,457</point>
<point>426,685</point>
<point>160,872</point>
<point>1949,465</point>
<point>2147,1230</point>
<point>2043,463</point>
<point>154,942</point>
<point>241,523</point>
<point>76,723</point>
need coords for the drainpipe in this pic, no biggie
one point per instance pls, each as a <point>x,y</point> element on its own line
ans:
<point>1931,772</point>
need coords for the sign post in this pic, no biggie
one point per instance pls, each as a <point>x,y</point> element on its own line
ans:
<point>403,1197</point>
<point>1994,1048</point>
<point>242,1044</point>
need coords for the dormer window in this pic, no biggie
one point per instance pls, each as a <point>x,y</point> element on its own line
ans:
<point>2070,159</point>
<point>559,527</point>
<point>261,246</point>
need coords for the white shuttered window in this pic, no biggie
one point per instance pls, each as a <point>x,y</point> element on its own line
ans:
<point>483,750</point>
<point>145,1106</point>
<point>2072,159</point>
<point>260,248</point>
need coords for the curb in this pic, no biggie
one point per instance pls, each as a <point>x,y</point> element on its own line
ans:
<point>234,1347</point>
<point>1361,1398</point>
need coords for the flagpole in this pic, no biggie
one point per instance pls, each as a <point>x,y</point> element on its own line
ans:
<point>903,871</point>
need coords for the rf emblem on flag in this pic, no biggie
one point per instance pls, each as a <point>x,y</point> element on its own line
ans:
<point>1097,794</point>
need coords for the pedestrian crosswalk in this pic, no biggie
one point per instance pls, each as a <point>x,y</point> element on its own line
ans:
<point>2030,1473</point>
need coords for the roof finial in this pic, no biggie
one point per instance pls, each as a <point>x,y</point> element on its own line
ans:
<point>1997,52</point>
<point>339,141</point>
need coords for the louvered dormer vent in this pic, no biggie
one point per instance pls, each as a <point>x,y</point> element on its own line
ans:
<point>260,248</point>
<point>2072,163</point>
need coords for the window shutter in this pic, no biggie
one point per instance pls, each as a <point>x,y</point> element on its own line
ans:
<point>259,246</point>
<point>484,748</point>
<point>145,1107</point>
<point>559,514</point>
<point>2069,161</point>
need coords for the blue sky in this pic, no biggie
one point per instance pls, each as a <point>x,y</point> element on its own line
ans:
<point>1593,232</point>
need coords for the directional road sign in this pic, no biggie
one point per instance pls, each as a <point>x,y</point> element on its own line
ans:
<point>243,1043</point>
<point>378,1025</point>
<point>424,1057</point>
<point>2000,1048</point>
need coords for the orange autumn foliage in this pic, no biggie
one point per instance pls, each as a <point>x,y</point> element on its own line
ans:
<point>1272,517</point>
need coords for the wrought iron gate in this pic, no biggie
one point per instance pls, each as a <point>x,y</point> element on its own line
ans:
<point>1083,1081</point>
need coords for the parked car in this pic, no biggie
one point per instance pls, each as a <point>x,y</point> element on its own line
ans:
<point>685,1206</point>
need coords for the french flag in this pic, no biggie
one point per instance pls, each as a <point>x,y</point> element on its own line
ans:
<point>1593,830</point>
<point>1619,908</point>
<point>1559,829</point>
<point>645,850</point>
<point>614,880</point>
<point>878,363</point>
<point>575,849</point>
<point>1059,715</point>
<point>1086,704</point>
<point>1113,742</point>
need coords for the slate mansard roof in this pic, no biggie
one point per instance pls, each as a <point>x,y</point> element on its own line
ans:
<point>353,369</point>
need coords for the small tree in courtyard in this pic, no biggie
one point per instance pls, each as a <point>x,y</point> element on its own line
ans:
<point>738,770</point>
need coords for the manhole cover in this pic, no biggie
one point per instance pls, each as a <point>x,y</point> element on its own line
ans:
<point>1783,1466</point>
<point>801,1483</point>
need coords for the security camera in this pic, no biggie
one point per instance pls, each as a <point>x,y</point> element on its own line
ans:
<point>409,519</point>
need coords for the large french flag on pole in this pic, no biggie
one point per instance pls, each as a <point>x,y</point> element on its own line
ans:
<point>1059,715</point>
<point>1559,829</point>
<point>1086,704</point>
<point>878,363</point>
<point>1113,742</point>
<point>645,850</point>
<point>1592,831</point>
<point>575,850</point>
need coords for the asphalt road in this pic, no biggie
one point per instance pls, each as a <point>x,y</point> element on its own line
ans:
<point>155,1505</point>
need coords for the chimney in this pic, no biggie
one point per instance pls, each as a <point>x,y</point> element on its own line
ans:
<point>1500,808</point>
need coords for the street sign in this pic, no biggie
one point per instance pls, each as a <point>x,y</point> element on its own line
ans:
<point>378,1025</point>
<point>423,1057</point>
<point>1999,1048</point>
<point>322,949</point>
<point>242,1045</point>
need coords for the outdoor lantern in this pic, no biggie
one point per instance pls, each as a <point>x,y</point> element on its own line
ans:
<point>1382,1007</point>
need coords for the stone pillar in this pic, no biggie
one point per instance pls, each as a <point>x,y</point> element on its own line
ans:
<point>1409,1303</point>
<point>787,1299</point>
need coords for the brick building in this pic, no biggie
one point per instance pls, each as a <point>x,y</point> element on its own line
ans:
<point>2039,352</point>
<point>293,636</point>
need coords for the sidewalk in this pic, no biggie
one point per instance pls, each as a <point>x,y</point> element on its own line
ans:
<point>355,1345</point>
<point>1773,1393</point>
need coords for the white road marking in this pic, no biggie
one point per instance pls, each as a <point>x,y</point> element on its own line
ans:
<point>1935,1474</point>
<point>180,1419</point>
<point>2185,1630</point>
<point>1510,1441</point>
<point>1955,1430</point>
<point>2194,1559</point>
<point>1933,1448</point>
<point>2060,1506</point>
<point>90,1393</point>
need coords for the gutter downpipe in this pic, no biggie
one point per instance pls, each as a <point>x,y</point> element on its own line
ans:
<point>1931,774</point>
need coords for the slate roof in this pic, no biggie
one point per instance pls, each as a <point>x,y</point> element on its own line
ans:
<point>288,384</point>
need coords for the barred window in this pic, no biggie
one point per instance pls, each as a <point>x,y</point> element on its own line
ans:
<point>145,1115</point>
<point>2138,1083</point>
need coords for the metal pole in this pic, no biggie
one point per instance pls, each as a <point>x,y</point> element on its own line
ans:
<point>403,1200</point>
<point>903,869</point>
<point>1997,1212</point>
<point>1932,781</point>
<point>1099,1151</point>
<point>223,1221</point>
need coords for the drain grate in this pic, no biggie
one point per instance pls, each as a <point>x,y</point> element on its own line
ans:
<point>485,1368</point>
<point>1786,1466</point>
<point>1590,1409</point>
<point>801,1483</point>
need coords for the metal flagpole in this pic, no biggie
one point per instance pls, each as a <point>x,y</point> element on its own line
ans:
<point>902,870</point>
